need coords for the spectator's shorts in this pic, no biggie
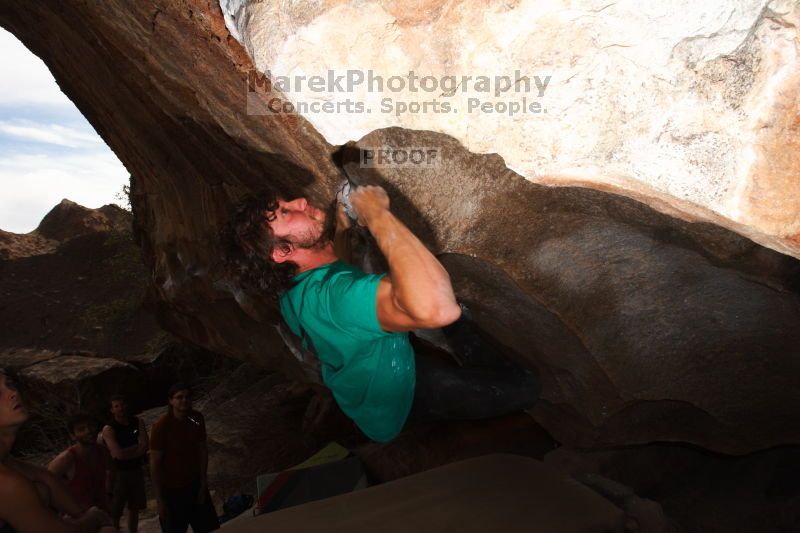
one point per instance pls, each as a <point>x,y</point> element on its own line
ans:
<point>128,488</point>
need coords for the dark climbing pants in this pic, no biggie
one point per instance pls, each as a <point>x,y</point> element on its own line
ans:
<point>183,511</point>
<point>487,385</point>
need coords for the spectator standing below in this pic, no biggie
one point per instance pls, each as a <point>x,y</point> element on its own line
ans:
<point>29,494</point>
<point>84,466</point>
<point>126,439</point>
<point>178,466</point>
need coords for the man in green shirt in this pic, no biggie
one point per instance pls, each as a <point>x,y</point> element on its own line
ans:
<point>357,324</point>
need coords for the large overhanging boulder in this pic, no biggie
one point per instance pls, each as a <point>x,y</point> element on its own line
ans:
<point>643,325</point>
<point>688,108</point>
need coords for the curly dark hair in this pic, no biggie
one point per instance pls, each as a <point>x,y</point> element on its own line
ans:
<point>247,246</point>
<point>11,380</point>
<point>117,398</point>
<point>177,387</point>
<point>78,419</point>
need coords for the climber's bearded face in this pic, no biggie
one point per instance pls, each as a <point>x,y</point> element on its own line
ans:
<point>298,223</point>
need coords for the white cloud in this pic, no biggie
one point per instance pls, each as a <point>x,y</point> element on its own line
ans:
<point>32,184</point>
<point>25,79</point>
<point>57,155</point>
<point>49,133</point>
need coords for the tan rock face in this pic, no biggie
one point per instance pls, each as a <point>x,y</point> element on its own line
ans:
<point>65,221</point>
<point>692,109</point>
<point>643,327</point>
<point>68,220</point>
<point>16,245</point>
<point>14,359</point>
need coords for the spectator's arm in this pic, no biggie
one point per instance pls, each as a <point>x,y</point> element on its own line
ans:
<point>21,507</point>
<point>60,497</point>
<point>201,494</point>
<point>418,292</point>
<point>144,442</point>
<point>204,463</point>
<point>156,458</point>
<point>157,445</point>
<point>109,464</point>
<point>61,465</point>
<point>203,449</point>
<point>121,454</point>
<point>111,442</point>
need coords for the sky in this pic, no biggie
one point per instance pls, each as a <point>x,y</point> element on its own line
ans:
<point>48,151</point>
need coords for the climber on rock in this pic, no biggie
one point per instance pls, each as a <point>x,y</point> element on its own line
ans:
<point>357,324</point>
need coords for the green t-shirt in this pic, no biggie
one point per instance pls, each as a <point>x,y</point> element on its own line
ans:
<point>370,372</point>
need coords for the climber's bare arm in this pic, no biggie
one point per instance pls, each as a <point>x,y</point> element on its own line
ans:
<point>342,244</point>
<point>417,293</point>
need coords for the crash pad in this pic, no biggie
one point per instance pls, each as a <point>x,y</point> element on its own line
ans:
<point>498,492</point>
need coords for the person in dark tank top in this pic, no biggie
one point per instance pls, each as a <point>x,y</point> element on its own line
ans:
<point>126,439</point>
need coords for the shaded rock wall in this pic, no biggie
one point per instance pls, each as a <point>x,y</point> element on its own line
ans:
<point>629,315</point>
<point>702,491</point>
<point>642,326</point>
<point>86,296</point>
<point>56,384</point>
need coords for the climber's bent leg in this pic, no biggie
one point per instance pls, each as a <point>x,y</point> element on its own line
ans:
<point>472,346</point>
<point>447,391</point>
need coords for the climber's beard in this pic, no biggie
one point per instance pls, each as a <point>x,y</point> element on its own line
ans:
<point>321,231</point>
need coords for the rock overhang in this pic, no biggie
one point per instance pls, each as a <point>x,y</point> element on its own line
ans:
<point>690,109</point>
<point>643,326</point>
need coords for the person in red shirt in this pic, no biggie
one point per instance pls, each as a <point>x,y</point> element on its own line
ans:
<point>178,466</point>
<point>84,465</point>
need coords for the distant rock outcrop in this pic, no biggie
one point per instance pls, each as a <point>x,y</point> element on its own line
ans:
<point>65,221</point>
<point>68,220</point>
<point>16,245</point>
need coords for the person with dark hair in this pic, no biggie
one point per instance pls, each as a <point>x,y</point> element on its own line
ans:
<point>179,465</point>
<point>84,466</point>
<point>126,439</point>
<point>31,497</point>
<point>357,324</point>
<point>247,241</point>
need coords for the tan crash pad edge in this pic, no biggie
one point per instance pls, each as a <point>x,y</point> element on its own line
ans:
<point>498,492</point>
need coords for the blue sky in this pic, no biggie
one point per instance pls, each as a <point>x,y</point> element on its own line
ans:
<point>48,151</point>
